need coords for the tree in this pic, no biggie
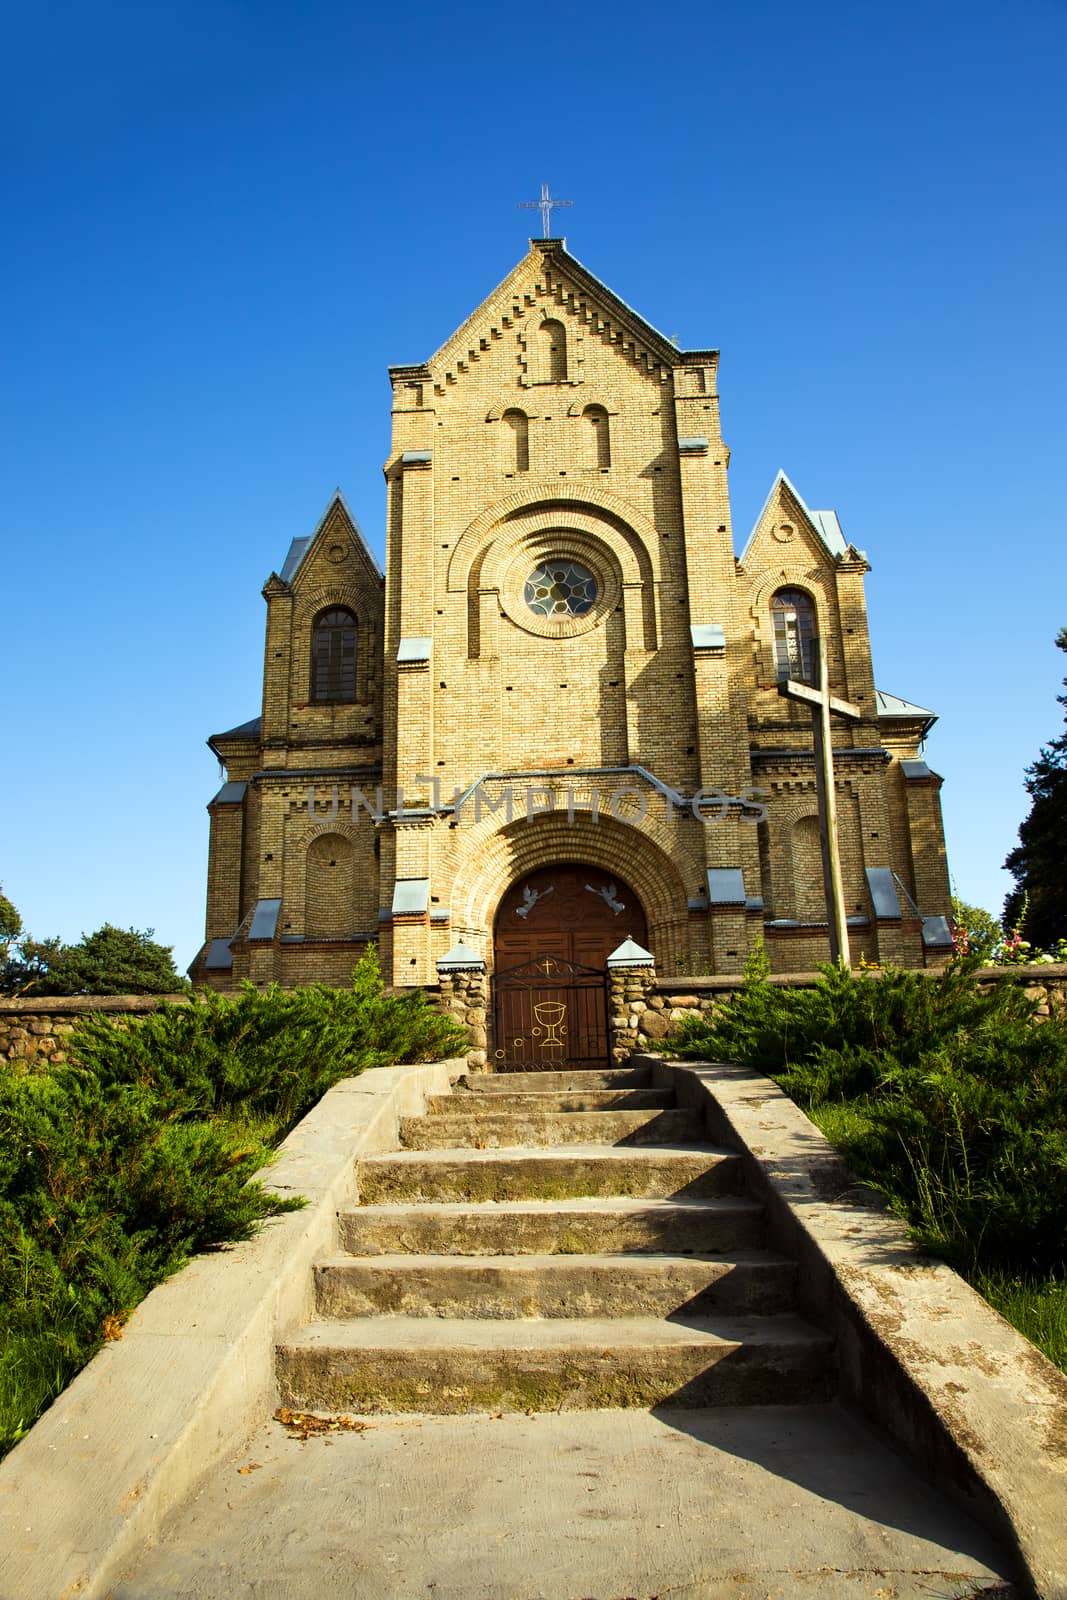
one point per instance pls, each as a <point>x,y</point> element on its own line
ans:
<point>1039,861</point>
<point>976,931</point>
<point>111,961</point>
<point>10,927</point>
<point>22,959</point>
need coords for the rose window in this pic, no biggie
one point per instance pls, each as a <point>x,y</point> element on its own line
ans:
<point>560,589</point>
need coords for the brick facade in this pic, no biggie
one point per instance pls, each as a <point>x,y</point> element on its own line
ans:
<point>557,427</point>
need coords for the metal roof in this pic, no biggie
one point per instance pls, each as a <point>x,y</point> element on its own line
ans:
<point>265,919</point>
<point>230,794</point>
<point>219,956</point>
<point>411,896</point>
<point>244,730</point>
<point>937,934</point>
<point>891,705</point>
<point>914,770</point>
<point>883,893</point>
<point>631,954</point>
<point>298,549</point>
<point>708,635</point>
<point>413,650</point>
<point>726,886</point>
<point>461,958</point>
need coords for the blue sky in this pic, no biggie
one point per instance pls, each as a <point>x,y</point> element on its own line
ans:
<point>223,222</point>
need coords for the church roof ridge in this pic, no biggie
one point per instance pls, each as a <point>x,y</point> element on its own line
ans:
<point>300,546</point>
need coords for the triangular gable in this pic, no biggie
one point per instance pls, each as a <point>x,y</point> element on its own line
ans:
<point>824,526</point>
<point>613,317</point>
<point>300,548</point>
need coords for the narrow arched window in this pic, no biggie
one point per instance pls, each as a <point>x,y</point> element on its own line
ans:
<point>333,655</point>
<point>598,440</point>
<point>552,352</point>
<point>793,619</point>
<point>519,453</point>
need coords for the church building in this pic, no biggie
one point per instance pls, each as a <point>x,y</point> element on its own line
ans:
<point>554,723</point>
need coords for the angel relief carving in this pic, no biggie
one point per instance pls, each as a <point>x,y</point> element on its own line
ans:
<point>530,898</point>
<point>609,895</point>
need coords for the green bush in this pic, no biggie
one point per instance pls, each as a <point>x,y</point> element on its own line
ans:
<point>957,1095</point>
<point>140,1150</point>
<point>266,1054</point>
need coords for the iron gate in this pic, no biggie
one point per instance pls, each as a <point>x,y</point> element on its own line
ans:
<point>550,1013</point>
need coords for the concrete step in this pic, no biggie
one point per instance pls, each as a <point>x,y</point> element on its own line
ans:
<point>547,1174</point>
<point>556,1082</point>
<point>557,1100</point>
<point>485,1130</point>
<point>442,1367</point>
<point>576,1227</point>
<point>510,1286</point>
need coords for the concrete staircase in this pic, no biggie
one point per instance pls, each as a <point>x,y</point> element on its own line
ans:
<point>548,1241</point>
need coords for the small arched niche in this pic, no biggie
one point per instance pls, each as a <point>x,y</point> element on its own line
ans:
<point>551,346</point>
<point>597,441</point>
<point>517,440</point>
<point>329,887</point>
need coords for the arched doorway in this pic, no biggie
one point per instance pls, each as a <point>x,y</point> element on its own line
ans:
<point>555,929</point>
<point>577,913</point>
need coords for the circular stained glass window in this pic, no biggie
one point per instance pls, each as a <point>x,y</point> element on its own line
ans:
<point>560,589</point>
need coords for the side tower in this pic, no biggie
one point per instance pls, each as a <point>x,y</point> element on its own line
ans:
<point>292,869</point>
<point>802,579</point>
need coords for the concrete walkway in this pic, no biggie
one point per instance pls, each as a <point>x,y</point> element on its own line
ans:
<point>571,1499</point>
<point>754,1503</point>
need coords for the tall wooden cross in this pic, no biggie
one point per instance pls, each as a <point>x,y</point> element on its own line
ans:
<point>822,703</point>
<point>545,205</point>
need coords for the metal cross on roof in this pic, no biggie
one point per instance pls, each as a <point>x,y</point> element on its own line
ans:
<point>822,703</point>
<point>545,205</point>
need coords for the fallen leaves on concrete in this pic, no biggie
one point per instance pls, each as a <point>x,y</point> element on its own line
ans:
<point>303,1424</point>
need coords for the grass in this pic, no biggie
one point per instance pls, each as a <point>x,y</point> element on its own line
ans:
<point>1035,1305</point>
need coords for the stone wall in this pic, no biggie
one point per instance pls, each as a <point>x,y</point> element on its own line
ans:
<point>654,1006</point>
<point>36,1030</point>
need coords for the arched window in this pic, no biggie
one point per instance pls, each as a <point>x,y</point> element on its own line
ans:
<point>793,619</point>
<point>519,423</point>
<point>598,440</point>
<point>552,352</point>
<point>333,655</point>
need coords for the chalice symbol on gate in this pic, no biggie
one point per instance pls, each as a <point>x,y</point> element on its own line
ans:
<point>550,1014</point>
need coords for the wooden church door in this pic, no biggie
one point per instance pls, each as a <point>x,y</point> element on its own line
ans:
<point>555,929</point>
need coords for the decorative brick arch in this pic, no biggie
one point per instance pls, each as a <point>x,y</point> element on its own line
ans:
<point>765,583</point>
<point>608,510</point>
<point>487,873</point>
